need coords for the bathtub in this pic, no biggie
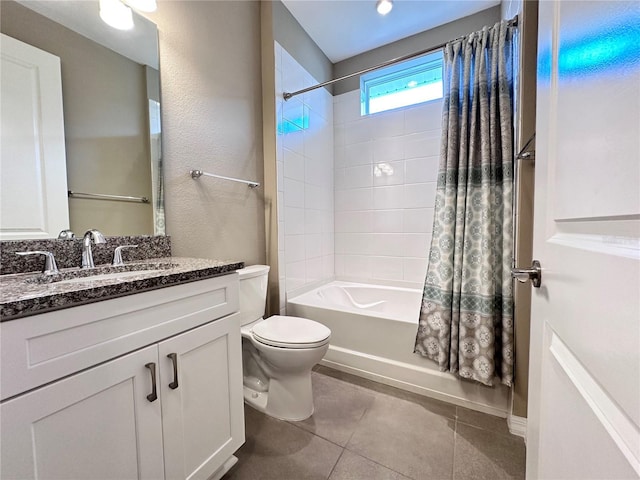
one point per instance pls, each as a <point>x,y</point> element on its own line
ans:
<point>373,330</point>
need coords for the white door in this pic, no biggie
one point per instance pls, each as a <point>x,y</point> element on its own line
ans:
<point>202,401</point>
<point>584,392</point>
<point>98,424</point>
<point>33,174</point>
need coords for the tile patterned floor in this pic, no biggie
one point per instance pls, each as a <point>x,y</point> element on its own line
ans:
<point>362,430</point>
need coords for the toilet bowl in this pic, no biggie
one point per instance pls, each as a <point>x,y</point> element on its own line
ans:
<point>278,353</point>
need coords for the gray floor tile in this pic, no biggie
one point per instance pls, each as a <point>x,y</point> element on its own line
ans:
<point>435,406</point>
<point>339,407</point>
<point>481,454</point>
<point>354,467</point>
<point>277,450</point>
<point>407,438</point>
<point>483,420</point>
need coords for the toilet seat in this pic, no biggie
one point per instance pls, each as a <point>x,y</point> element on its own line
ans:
<point>290,332</point>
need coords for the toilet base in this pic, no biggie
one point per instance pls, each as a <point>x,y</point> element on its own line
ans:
<point>288,399</point>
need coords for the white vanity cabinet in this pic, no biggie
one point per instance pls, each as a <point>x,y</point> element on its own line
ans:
<point>99,417</point>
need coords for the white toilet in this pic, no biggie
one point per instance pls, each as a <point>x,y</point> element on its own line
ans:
<point>277,353</point>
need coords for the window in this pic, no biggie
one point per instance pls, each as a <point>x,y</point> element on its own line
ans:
<point>407,83</point>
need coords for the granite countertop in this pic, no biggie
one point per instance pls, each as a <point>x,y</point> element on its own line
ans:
<point>26,294</point>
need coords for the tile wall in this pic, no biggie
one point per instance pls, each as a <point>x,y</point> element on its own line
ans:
<point>305,179</point>
<point>386,168</point>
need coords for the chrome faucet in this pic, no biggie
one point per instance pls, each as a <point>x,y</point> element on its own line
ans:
<point>87,255</point>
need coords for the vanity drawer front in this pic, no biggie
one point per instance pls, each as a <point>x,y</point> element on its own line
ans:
<point>42,348</point>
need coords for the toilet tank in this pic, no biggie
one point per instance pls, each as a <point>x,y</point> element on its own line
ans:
<point>253,292</point>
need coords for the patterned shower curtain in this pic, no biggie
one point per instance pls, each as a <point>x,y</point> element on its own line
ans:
<point>466,317</point>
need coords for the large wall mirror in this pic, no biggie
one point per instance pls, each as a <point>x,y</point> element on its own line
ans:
<point>111,105</point>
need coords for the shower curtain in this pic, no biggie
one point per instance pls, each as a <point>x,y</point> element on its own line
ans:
<point>466,317</point>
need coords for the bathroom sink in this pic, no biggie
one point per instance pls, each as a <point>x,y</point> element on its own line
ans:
<point>107,272</point>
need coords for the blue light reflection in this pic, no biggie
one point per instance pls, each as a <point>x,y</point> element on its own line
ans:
<point>611,49</point>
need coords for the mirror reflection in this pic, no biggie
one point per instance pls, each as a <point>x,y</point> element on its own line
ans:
<point>111,108</point>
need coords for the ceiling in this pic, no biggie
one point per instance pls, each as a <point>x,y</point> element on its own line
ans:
<point>345,28</point>
<point>83,16</point>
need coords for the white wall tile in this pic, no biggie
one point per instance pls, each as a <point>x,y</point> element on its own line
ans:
<point>423,144</point>
<point>421,170</point>
<point>315,170</point>
<point>354,243</point>
<point>313,197</point>
<point>360,176</point>
<point>416,244</point>
<point>294,248</point>
<point>415,269</point>
<point>293,111</point>
<point>419,195</point>
<point>386,244</point>
<point>313,220</point>
<point>293,165</point>
<point>277,51</point>
<point>357,199</point>
<point>313,270</point>
<point>423,117</point>
<point>306,172</point>
<point>387,124</point>
<point>388,149</point>
<point>388,173</point>
<point>347,106</point>
<point>293,74</point>
<point>328,221</point>
<point>357,266</point>
<point>294,140</point>
<point>327,244</point>
<point>378,228</point>
<point>387,221</point>
<point>296,275</point>
<point>417,220</point>
<point>339,265</point>
<point>354,221</point>
<point>388,197</point>
<point>358,154</point>
<point>358,131</point>
<point>339,136</point>
<point>294,220</point>
<point>387,268</point>
<point>293,193</point>
<point>313,245</point>
<point>328,262</point>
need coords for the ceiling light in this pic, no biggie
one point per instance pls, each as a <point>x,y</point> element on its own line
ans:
<point>116,14</point>
<point>384,6</point>
<point>143,5</point>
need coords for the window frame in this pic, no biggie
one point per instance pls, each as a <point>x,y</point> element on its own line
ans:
<point>392,73</point>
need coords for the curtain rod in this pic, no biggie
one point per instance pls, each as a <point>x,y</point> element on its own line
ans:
<point>511,23</point>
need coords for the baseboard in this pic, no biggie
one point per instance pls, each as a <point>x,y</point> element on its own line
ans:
<point>517,425</point>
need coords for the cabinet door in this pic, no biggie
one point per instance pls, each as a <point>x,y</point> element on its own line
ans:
<point>203,422</point>
<point>96,424</point>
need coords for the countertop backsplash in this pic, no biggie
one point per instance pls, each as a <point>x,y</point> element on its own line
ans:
<point>68,253</point>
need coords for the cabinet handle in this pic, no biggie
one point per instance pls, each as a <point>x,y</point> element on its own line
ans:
<point>153,396</point>
<point>174,359</point>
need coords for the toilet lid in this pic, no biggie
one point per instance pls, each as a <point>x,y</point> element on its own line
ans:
<point>291,332</point>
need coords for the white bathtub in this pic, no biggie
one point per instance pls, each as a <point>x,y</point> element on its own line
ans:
<point>373,330</point>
